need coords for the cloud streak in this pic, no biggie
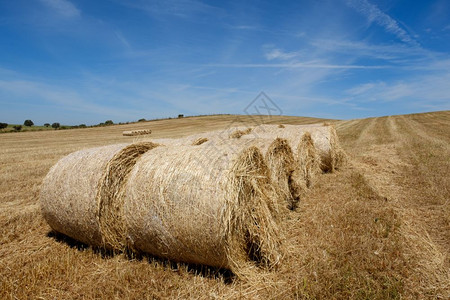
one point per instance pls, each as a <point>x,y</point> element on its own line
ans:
<point>297,66</point>
<point>64,8</point>
<point>375,15</point>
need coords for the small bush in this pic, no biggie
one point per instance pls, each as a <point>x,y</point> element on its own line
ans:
<point>28,123</point>
<point>17,127</point>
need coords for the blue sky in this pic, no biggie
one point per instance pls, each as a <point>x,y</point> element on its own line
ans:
<point>82,61</point>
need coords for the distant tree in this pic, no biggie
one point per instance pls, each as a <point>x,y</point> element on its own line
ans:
<point>82,126</point>
<point>28,123</point>
<point>3,125</point>
<point>180,116</point>
<point>47,124</point>
<point>109,122</point>
<point>17,127</point>
<point>142,120</point>
<point>56,125</point>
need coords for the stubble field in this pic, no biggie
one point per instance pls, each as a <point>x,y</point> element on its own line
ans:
<point>377,229</point>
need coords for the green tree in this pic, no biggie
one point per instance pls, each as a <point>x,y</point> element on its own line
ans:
<point>28,123</point>
<point>3,125</point>
<point>47,124</point>
<point>56,125</point>
<point>109,122</point>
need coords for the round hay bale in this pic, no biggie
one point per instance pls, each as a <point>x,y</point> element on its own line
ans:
<point>308,159</point>
<point>137,132</point>
<point>69,191</point>
<point>110,196</point>
<point>203,205</point>
<point>74,189</point>
<point>285,174</point>
<point>324,137</point>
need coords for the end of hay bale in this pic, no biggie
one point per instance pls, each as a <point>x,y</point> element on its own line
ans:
<point>253,214</point>
<point>199,141</point>
<point>281,162</point>
<point>337,154</point>
<point>110,197</point>
<point>238,133</point>
<point>308,159</point>
<point>281,126</point>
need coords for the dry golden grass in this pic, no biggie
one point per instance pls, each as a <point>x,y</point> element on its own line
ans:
<point>377,229</point>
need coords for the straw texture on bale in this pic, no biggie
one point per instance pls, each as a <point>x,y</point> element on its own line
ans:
<point>199,141</point>
<point>308,159</point>
<point>80,190</point>
<point>110,196</point>
<point>285,174</point>
<point>137,132</point>
<point>238,133</point>
<point>203,206</point>
<point>68,193</point>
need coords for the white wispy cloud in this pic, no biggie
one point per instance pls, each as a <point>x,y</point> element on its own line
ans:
<point>375,15</point>
<point>425,89</point>
<point>178,8</point>
<point>64,8</point>
<point>280,54</point>
<point>298,66</point>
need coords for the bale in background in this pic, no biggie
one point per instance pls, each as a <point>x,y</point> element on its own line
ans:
<point>203,206</point>
<point>74,190</point>
<point>137,132</point>
<point>324,137</point>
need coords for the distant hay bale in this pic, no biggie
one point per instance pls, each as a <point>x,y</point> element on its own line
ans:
<point>324,137</point>
<point>199,141</point>
<point>308,159</point>
<point>74,187</point>
<point>137,132</point>
<point>238,133</point>
<point>110,196</point>
<point>199,206</point>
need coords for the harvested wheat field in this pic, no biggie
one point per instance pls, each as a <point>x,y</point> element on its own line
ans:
<point>376,228</point>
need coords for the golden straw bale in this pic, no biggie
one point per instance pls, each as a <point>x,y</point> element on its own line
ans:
<point>308,159</point>
<point>203,205</point>
<point>68,193</point>
<point>285,173</point>
<point>324,137</point>
<point>137,132</point>
<point>77,186</point>
<point>110,196</point>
